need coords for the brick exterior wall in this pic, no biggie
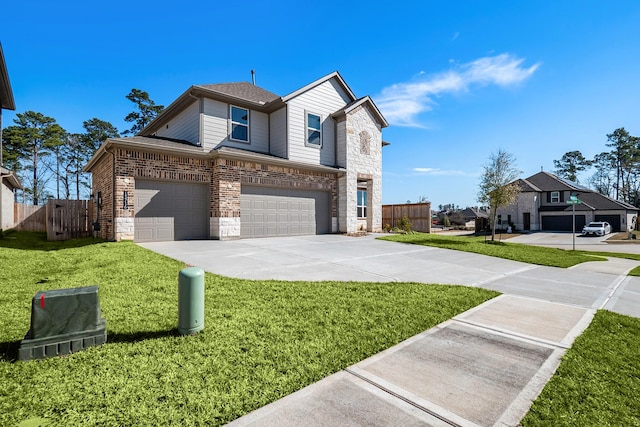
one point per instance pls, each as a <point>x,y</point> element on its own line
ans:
<point>102,182</point>
<point>225,178</point>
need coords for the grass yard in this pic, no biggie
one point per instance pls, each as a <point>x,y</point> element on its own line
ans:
<point>598,381</point>
<point>262,339</point>
<point>516,252</point>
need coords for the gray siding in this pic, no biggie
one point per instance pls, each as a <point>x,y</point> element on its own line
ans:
<point>278,133</point>
<point>259,132</point>
<point>324,100</point>
<point>216,128</point>
<point>185,126</point>
<point>214,124</point>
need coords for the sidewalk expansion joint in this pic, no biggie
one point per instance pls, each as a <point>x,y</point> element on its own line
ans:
<point>503,275</point>
<point>403,398</point>
<point>511,334</point>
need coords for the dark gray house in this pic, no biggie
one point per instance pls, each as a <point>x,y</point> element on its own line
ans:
<point>544,205</point>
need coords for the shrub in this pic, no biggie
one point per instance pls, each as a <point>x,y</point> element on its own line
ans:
<point>404,224</point>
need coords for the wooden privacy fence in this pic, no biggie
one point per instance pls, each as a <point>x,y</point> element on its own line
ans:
<point>29,217</point>
<point>61,219</point>
<point>419,215</point>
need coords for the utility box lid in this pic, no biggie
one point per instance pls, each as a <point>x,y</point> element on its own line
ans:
<point>65,311</point>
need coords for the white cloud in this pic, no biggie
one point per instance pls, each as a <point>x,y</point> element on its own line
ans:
<point>436,172</point>
<point>401,103</point>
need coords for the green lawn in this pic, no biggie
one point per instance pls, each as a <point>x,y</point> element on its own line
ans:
<point>262,339</point>
<point>598,381</point>
<point>517,252</point>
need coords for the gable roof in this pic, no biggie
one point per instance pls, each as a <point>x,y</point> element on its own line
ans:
<point>603,202</point>
<point>6,94</point>
<point>335,75</point>
<point>473,213</point>
<point>527,187</point>
<point>245,94</point>
<point>366,100</point>
<point>546,181</point>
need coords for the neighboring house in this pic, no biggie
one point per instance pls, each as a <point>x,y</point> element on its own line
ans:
<point>543,205</point>
<point>8,181</point>
<point>228,161</point>
<point>475,218</point>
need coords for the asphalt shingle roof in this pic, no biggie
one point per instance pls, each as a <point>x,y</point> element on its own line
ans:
<point>243,90</point>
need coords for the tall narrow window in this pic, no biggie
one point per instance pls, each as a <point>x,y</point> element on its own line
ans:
<point>362,200</point>
<point>555,197</point>
<point>314,130</point>
<point>239,124</point>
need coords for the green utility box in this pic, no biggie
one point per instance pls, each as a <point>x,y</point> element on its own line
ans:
<point>190,300</point>
<point>63,321</point>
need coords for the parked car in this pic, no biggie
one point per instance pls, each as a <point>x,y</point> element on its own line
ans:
<point>597,228</point>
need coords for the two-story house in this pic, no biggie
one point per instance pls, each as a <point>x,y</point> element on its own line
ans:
<point>545,203</point>
<point>228,161</point>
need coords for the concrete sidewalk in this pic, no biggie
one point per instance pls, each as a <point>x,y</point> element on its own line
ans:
<point>481,368</point>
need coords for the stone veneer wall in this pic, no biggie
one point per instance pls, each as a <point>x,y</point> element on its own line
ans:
<point>225,178</point>
<point>363,160</point>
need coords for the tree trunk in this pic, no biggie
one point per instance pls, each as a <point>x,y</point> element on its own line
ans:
<point>494,215</point>
<point>35,177</point>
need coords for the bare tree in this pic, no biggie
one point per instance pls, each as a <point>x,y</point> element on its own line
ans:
<point>498,185</point>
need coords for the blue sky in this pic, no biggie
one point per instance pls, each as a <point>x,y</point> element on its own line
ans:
<point>457,80</point>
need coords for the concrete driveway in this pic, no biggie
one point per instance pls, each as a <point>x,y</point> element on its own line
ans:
<point>337,257</point>
<point>483,367</point>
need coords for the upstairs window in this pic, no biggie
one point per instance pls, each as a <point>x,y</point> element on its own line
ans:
<point>314,130</point>
<point>555,197</point>
<point>239,124</point>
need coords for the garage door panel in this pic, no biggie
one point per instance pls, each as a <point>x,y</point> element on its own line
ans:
<point>613,220</point>
<point>562,222</point>
<point>285,212</point>
<point>170,211</point>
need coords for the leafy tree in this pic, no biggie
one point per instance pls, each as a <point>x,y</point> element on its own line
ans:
<point>498,185</point>
<point>626,156</point>
<point>603,180</point>
<point>96,132</point>
<point>147,110</point>
<point>570,165</point>
<point>29,144</point>
<point>83,146</point>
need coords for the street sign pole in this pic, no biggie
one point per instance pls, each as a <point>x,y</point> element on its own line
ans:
<point>573,201</point>
<point>573,213</point>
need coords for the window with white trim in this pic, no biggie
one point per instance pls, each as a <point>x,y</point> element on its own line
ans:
<point>362,199</point>
<point>555,197</point>
<point>314,129</point>
<point>239,118</point>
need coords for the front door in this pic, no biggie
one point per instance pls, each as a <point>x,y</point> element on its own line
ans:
<point>526,219</point>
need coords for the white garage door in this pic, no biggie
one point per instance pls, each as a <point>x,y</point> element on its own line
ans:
<point>170,211</point>
<point>272,212</point>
